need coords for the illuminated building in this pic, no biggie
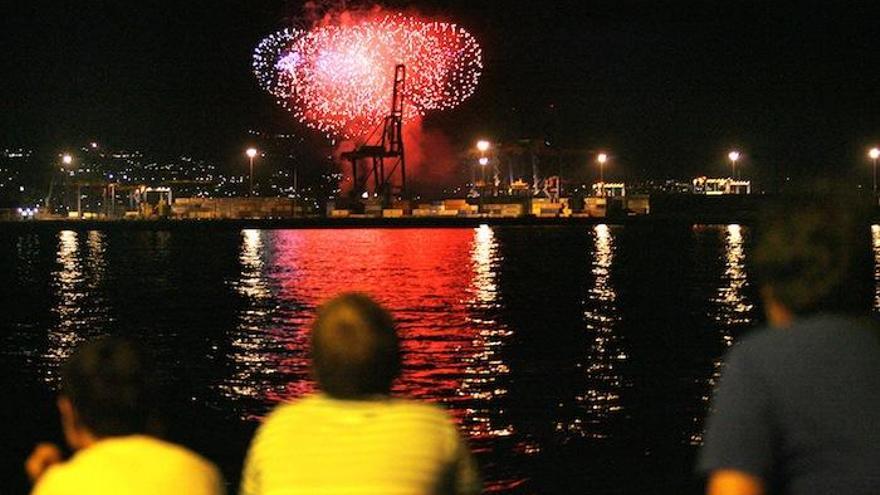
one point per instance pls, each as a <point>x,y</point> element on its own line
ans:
<point>715,187</point>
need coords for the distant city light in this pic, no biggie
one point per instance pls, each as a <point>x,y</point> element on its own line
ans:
<point>483,145</point>
<point>66,159</point>
<point>484,161</point>
<point>251,152</point>
<point>733,156</point>
<point>602,158</point>
<point>28,212</point>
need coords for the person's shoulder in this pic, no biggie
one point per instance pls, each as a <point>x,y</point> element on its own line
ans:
<point>758,352</point>
<point>318,406</point>
<point>155,458</point>
<point>183,454</point>
<point>419,412</point>
<point>431,420</point>
<point>819,334</point>
<point>838,327</point>
<point>293,414</point>
<point>170,455</point>
<point>289,410</point>
<point>78,474</point>
<point>815,328</point>
<point>201,475</point>
<point>59,479</point>
<point>762,340</point>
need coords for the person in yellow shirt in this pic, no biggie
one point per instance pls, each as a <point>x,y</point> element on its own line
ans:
<point>353,437</point>
<point>106,403</point>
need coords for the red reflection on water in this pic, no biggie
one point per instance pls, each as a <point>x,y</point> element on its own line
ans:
<point>422,276</point>
<point>440,284</point>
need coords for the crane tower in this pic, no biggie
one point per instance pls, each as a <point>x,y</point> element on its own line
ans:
<point>382,162</point>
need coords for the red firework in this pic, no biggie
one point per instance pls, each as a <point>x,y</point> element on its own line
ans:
<point>337,77</point>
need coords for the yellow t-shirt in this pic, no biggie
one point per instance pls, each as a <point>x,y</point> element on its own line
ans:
<point>321,446</point>
<point>132,465</point>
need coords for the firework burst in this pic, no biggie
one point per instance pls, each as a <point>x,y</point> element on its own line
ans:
<point>337,77</point>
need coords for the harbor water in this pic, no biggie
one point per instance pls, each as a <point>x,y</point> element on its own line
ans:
<point>575,358</point>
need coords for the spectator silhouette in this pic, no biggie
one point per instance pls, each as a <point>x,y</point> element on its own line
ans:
<point>106,403</point>
<point>798,405</point>
<point>353,437</point>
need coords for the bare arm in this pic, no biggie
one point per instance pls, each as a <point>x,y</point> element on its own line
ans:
<point>44,456</point>
<point>730,482</point>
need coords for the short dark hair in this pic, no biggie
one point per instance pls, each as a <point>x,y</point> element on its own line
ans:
<point>355,348</point>
<point>813,252</point>
<point>112,386</point>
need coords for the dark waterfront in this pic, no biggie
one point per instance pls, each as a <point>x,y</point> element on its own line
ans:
<point>577,358</point>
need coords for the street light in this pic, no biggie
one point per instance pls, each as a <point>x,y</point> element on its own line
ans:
<point>67,159</point>
<point>733,156</point>
<point>483,161</point>
<point>251,153</point>
<point>482,146</point>
<point>602,158</point>
<point>874,154</point>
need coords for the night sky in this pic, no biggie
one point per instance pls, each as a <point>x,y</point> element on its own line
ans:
<point>668,86</point>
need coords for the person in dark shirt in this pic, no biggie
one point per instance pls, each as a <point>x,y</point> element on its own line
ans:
<point>798,406</point>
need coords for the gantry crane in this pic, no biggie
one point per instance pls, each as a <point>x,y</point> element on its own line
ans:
<point>384,161</point>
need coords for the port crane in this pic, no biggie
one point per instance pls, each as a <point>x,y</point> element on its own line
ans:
<point>382,160</point>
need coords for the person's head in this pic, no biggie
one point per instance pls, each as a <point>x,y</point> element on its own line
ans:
<point>355,349</point>
<point>813,254</point>
<point>108,389</point>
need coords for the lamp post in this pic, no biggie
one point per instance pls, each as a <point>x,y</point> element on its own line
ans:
<point>251,154</point>
<point>733,156</point>
<point>874,154</point>
<point>67,160</point>
<point>483,162</point>
<point>483,146</point>
<point>601,158</point>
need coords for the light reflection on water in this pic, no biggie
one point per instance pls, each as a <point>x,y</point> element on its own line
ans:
<point>453,346</point>
<point>81,310</point>
<point>730,308</point>
<point>286,274</point>
<point>251,361</point>
<point>733,306</point>
<point>605,355</point>
<point>450,291</point>
<point>69,291</point>
<point>483,381</point>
